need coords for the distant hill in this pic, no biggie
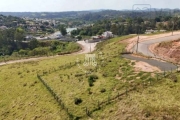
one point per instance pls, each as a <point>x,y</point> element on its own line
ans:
<point>94,14</point>
<point>10,21</point>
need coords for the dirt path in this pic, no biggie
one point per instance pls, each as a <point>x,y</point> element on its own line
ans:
<point>86,48</point>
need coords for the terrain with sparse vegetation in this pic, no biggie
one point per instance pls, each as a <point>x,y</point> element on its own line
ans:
<point>63,88</point>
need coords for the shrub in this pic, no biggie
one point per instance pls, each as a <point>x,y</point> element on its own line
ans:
<point>94,76</point>
<point>78,75</point>
<point>103,90</point>
<point>25,84</point>
<point>23,52</point>
<point>104,75</point>
<point>133,63</point>
<point>92,79</point>
<point>89,90</point>
<point>77,101</point>
<point>165,44</point>
<point>173,78</point>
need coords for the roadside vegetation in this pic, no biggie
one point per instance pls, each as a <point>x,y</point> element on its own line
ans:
<point>13,46</point>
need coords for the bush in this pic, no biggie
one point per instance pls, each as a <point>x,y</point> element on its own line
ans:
<point>103,90</point>
<point>23,52</point>
<point>92,79</point>
<point>77,101</point>
<point>78,75</point>
<point>40,51</point>
<point>133,63</point>
<point>94,76</point>
<point>104,75</point>
<point>89,90</point>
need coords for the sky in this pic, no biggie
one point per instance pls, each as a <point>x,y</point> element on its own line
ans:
<point>79,5</point>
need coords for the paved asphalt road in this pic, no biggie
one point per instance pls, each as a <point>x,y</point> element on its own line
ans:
<point>164,66</point>
<point>144,49</point>
<point>144,46</point>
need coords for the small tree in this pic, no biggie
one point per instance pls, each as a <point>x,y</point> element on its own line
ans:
<point>63,30</point>
<point>23,52</point>
<point>92,79</point>
<point>79,37</point>
<point>33,44</point>
<point>77,101</point>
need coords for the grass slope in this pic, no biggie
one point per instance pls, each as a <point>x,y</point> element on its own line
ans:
<point>118,93</point>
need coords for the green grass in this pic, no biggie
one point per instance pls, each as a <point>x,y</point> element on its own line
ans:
<point>23,96</point>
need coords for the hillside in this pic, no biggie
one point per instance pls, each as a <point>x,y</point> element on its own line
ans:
<point>93,15</point>
<point>64,87</point>
<point>10,21</point>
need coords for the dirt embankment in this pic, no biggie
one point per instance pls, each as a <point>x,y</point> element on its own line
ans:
<point>167,50</point>
<point>143,66</point>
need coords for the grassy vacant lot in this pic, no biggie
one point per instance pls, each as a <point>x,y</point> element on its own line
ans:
<point>110,90</point>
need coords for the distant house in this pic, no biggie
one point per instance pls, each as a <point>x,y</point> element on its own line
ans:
<point>29,37</point>
<point>147,22</point>
<point>107,34</point>
<point>162,23</point>
<point>162,30</point>
<point>96,37</point>
<point>154,31</point>
<point>151,31</point>
<point>3,28</point>
<point>69,30</point>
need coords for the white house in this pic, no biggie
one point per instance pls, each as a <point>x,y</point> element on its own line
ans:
<point>3,27</point>
<point>107,34</point>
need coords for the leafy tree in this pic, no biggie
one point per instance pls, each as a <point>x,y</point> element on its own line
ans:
<point>100,31</point>
<point>63,30</point>
<point>23,52</point>
<point>114,29</point>
<point>46,23</point>
<point>33,44</point>
<point>19,34</point>
<point>79,37</point>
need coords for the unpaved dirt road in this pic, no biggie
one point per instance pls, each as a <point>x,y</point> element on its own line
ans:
<point>86,48</point>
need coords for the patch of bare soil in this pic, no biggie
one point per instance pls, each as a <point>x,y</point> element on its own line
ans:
<point>168,50</point>
<point>143,66</point>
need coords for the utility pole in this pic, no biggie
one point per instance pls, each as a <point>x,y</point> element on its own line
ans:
<point>90,47</point>
<point>138,38</point>
<point>137,43</point>
<point>173,28</point>
<point>4,56</point>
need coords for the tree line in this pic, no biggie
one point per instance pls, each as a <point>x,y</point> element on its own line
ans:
<point>124,26</point>
<point>12,42</point>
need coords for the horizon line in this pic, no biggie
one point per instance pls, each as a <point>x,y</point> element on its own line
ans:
<point>85,10</point>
